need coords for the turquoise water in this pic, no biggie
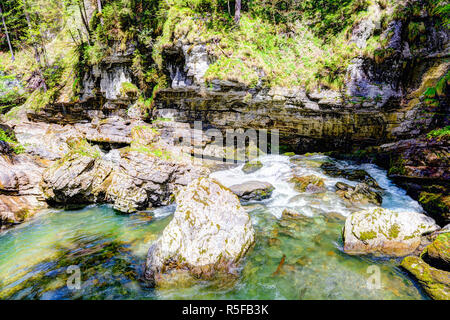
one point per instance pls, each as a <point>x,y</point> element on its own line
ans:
<point>110,248</point>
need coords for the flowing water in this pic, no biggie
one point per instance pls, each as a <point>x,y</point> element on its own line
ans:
<point>110,248</point>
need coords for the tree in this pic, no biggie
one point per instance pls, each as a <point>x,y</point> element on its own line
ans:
<point>99,9</point>
<point>7,34</point>
<point>237,11</point>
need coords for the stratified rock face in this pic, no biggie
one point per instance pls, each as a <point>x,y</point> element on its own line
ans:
<point>101,94</point>
<point>385,232</point>
<point>210,232</point>
<point>435,282</point>
<point>253,190</point>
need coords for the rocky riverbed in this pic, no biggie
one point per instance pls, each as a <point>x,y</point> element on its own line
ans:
<point>298,250</point>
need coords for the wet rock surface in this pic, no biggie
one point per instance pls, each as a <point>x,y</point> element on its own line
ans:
<point>435,282</point>
<point>209,234</point>
<point>309,184</point>
<point>252,190</point>
<point>361,193</point>
<point>358,175</point>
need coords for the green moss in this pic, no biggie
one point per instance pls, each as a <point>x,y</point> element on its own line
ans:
<point>439,133</point>
<point>367,235</point>
<point>149,150</point>
<point>129,89</point>
<point>394,231</point>
<point>16,146</point>
<point>83,148</point>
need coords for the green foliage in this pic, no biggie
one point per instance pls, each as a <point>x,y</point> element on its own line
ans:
<point>16,146</point>
<point>84,148</point>
<point>325,17</point>
<point>129,89</point>
<point>10,97</point>
<point>439,133</point>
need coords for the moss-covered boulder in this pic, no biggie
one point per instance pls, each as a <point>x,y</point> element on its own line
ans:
<point>384,232</point>
<point>435,282</point>
<point>361,193</point>
<point>252,166</point>
<point>309,184</point>
<point>209,234</point>
<point>253,190</point>
<point>438,252</point>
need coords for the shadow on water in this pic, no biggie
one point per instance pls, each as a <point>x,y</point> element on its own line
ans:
<point>108,270</point>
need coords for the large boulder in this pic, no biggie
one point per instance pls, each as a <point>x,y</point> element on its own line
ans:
<point>435,282</point>
<point>253,190</point>
<point>209,233</point>
<point>384,232</point>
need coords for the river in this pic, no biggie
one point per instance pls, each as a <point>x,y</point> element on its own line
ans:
<point>109,248</point>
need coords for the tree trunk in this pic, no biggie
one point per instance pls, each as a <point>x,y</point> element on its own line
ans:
<point>99,9</point>
<point>37,54</point>
<point>84,16</point>
<point>237,12</point>
<point>7,35</point>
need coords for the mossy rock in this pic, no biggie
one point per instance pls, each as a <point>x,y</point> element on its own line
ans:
<point>310,183</point>
<point>289,154</point>
<point>438,252</point>
<point>436,205</point>
<point>386,232</point>
<point>251,167</point>
<point>435,282</point>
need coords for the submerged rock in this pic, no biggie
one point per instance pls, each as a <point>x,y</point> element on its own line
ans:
<point>251,167</point>
<point>361,193</point>
<point>385,232</point>
<point>253,190</point>
<point>292,214</point>
<point>209,233</point>
<point>309,184</point>
<point>435,282</point>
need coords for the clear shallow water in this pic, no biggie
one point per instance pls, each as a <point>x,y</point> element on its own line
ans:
<point>110,248</point>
